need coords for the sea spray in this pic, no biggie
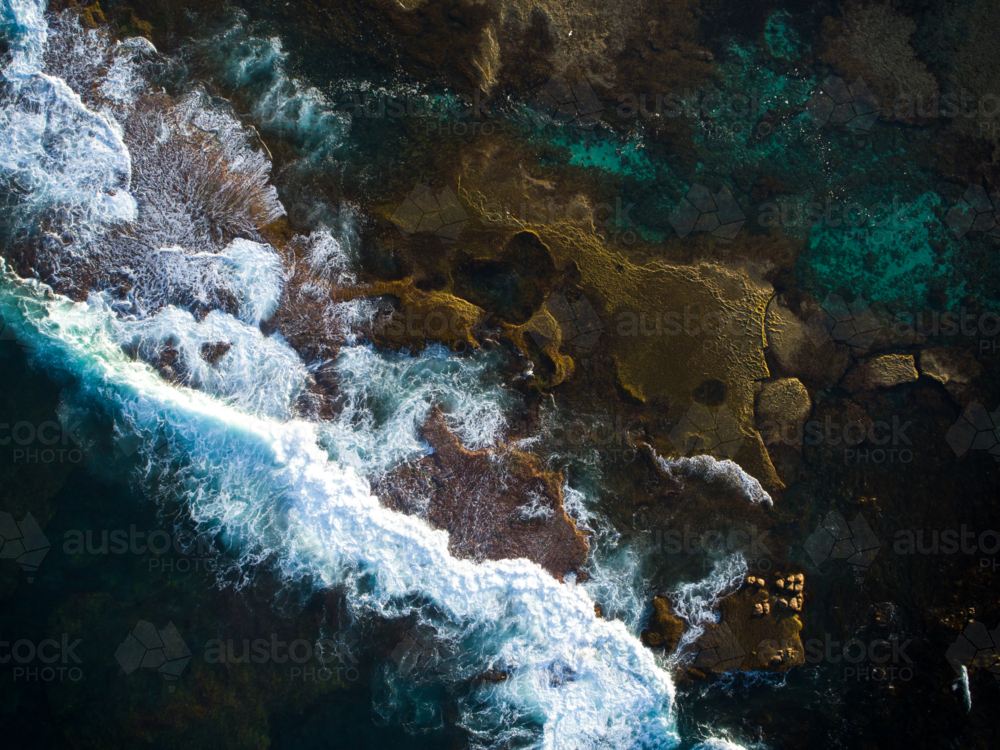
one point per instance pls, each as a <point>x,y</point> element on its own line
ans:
<point>718,744</point>
<point>696,602</point>
<point>573,679</point>
<point>966,690</point>
<point>61,155</point>
<point>258,374</point>
<point>253,476</point>
<point>387,397</point>
<point>285,106</point>
<point>725,473</point>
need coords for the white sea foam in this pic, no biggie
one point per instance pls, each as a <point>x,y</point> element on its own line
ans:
<point>283,104</point>
<point>966,690</point>
<point>711,470</point>
<point>259,279</point>
<point>387,397</point>
<point>581,681</point>
<point>133,188</point>
<point>22,23</point>
<point>696,602</point>
<point>60,155</point>
<point>248,471</point>
<point>718,744</point>
<point>258,374</point>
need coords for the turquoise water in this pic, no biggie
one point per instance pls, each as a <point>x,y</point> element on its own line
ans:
<point>271,525</point>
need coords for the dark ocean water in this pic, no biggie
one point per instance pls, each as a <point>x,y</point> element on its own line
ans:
<point>198,547</point>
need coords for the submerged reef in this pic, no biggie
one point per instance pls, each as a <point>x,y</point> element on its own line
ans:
<point>592,285</point>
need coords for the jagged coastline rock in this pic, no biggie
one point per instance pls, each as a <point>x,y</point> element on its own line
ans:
<point>495,503</point>
<point>665,629</point>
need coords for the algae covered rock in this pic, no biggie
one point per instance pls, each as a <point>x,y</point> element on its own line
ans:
<point>882,372</point>
<point>955,369</point>
<point>664,629</point>
<point>872,41</point>
<point>784,401</point>
<point>758,628</point>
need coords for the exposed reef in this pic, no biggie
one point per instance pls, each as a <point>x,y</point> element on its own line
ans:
<point>494,503</point>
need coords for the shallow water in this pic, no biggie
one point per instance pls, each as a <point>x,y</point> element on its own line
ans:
<point>142,194</point>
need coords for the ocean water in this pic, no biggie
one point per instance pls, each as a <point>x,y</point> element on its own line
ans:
<point>145,190</point>
<point>226,444</point>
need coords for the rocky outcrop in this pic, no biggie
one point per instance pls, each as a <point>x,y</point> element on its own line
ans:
<point>803,350</point>
<point>783,405</point>
<point>955,369</point>
<point>882,372</point>
<point>872,41</point>
<point>665,629</point>
<point>496,504</point>
<point>213,352</point>
<point>758,628</point>
<point>783,402</point>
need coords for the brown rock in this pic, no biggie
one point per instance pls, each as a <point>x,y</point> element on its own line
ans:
<point>495,504</point>
<point>802,350</point>
<point>782,406</point>
<point>211,353</point>
<point>955,369</point>
<point>751,635</point>
<point>169,364</point>
<point>882,372</point>
<point>872,40</point>
<point>664,629</point>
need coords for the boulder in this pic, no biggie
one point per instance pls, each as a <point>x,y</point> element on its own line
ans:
<point>664,629</point>
<point>803,350</point>
<point>882,372</point>
<point>955,369</point>
<point>784,401</point>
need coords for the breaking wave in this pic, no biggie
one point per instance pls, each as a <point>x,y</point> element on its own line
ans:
<point>152,217</point>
